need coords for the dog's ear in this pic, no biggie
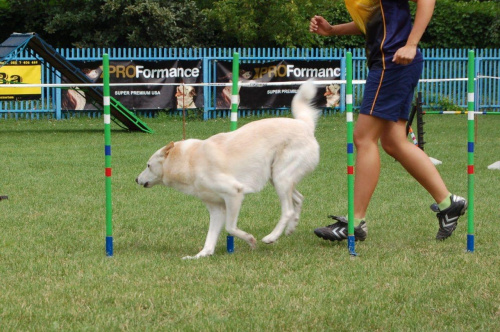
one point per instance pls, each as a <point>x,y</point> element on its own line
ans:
<point>167,148</point>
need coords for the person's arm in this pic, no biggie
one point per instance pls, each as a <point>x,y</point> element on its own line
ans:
<point>423,15</point>
<point>321,27</point>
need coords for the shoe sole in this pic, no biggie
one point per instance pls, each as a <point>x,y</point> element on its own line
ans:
<point>334,240</point>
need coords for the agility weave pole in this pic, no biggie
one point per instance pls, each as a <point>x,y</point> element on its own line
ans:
<point>350,158</point>
<point>107,155</point>
<point>234,121</point>
<point>470,144</point>
<point>470,150</point>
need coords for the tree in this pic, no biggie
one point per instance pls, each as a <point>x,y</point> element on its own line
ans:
<point>227,23</point>
<point>261,23</point>
<point>113,23</point>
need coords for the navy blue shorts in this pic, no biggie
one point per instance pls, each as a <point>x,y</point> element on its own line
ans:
<point>389,93</point>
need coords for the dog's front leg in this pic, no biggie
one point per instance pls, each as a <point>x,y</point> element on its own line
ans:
<point>217,218</point>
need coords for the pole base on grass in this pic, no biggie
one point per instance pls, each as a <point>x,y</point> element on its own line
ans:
<point>470,243</point>
<point>351,246</point>
<point>109,246</point>
<point>230,244</point>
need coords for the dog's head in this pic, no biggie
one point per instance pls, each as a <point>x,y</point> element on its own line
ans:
<point>153,174</point>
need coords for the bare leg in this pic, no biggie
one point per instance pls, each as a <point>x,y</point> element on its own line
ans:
<point>366,136</point>
<point>413,159</point>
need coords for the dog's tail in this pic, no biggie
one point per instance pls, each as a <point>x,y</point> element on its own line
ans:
<point>302,108</point>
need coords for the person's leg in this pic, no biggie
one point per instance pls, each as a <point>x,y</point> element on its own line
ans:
<point>413,159</point>
<point>367,133</point>
<point>417,163</point>
<point>366,136</point>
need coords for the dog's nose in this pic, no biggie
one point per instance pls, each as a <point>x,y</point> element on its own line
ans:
<point>137,180</point>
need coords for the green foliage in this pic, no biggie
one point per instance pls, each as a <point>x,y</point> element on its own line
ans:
<point>446,104</point>
<point>114,23</point>
<point>336,13</point>
<point>261,23</point>
<point>459,24</point>
<point>227,23</point>
<point>276,23</point>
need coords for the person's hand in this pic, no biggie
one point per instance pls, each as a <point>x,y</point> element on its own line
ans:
<point>320,26</point>
<point>405,55</point>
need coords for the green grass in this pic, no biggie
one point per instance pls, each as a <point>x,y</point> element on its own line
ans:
<point>54,275</point>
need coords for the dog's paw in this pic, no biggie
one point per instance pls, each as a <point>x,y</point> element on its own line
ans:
<point>290,228</point>
<point>269,239</point>
<point>199,255</point>
<point>252,242</point>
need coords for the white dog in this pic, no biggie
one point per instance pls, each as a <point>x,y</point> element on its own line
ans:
<point>223,168</point>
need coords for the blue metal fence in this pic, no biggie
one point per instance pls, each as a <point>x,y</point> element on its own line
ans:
<point>439,64</point>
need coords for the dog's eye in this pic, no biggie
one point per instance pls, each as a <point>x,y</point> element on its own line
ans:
<point>149,166</point>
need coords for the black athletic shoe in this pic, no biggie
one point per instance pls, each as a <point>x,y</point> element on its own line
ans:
<point>338,231</point>
<point>448,218</point>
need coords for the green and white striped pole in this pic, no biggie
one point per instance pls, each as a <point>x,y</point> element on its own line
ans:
<point>234,96</point>
<point>234,120</point>
<point>470,150</point>
<point>350,158</point>
<point>107,155</point>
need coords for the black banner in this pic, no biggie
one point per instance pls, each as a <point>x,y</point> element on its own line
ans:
<point>278,96</point>
<point>144,97</point>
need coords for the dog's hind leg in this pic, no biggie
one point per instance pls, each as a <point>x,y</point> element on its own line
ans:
<point>285,193</point>
<point>233,206</point>
<point>297,206</point>
<point>217,218</point>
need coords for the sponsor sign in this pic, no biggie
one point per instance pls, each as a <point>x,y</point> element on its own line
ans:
<point>21,72</point>
<point>144,97</point>
<point>278,96</point>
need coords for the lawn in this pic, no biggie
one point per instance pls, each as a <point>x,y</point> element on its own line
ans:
<point>55,276</point>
